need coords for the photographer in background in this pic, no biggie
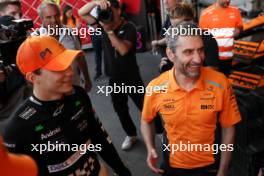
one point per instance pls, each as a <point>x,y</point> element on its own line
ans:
<point>8,9</point>
<point>13,88</point>
<point>11,8</point>
<point>119,46</point>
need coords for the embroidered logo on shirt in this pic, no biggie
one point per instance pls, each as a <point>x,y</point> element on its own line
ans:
<point>27,113</point>
<point>169,107</point>
<point>39,128</point>
<point>207,107</point>
<point>58,110</point>
<point>50,133</point>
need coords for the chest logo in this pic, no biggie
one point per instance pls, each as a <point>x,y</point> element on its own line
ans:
<point>169,107</point>
<point>204,107</point>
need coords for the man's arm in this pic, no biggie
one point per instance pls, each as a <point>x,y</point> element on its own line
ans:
<point>100,137</point>
<point>228,135</point>
<point>122,46</point>
<point>239,24</point>
<point>237,31</point>
<point>84,11</point>
<point>108,151</point>
<point>147,130</point>
<point>156,43</point>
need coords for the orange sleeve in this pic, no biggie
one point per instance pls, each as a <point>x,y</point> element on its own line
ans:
<point>230,114</point>
<point>149,112</point>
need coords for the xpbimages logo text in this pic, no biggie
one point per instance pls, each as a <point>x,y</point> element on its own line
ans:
<point>216,32</point>
<point>56,146</point>
<point>126,89</point>
<point>190,147</point>
<point>60,31</point>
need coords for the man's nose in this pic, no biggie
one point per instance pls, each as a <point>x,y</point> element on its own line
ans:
<point>198,57</point>
<point>53,20</point>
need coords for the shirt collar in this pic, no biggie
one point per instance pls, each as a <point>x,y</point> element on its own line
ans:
<point>174,86</point>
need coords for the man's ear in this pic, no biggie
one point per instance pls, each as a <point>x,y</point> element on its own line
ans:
<point>170,54</point>
<point>31,77</point>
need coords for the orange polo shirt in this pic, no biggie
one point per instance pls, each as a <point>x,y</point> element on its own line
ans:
<point>222,22</point>
<point>190,117</point>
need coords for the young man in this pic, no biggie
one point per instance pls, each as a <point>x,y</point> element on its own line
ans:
<point>119,45</point>
<point>56,126</point>
<point>11,8</point>
<point>194,99</point>
<point>225,23</point>
<point>49,13</point>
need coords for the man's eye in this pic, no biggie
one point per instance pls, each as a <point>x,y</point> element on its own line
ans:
<point>188,52</point>
<point>201,49</point>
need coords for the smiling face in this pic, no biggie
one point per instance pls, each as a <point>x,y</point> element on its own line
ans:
<point>51,84</point>
<point>188,57</point>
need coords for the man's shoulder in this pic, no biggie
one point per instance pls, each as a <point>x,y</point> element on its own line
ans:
<point>129,26</point>
<point>208,10</point>
<point>24,111</point>
<point>81,94</point>
<point>21,116</point>
<point>80,91</point>
<point>214,77</point>
<point>160,80</point>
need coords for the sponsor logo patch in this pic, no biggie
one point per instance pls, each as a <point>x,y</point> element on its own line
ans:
<point>27,113</point>
<point>50,133</point>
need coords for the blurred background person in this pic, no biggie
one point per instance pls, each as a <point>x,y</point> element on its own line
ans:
<point>13,87</point>
<point>225,23</point>
<point>119,45</point>
<point>11,8</point>
<point>68,18</point>
<point>159,46</point>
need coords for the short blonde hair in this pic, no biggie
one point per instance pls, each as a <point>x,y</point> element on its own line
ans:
<point>183,9</point>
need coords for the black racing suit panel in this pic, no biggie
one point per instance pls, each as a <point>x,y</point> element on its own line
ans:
<point>68,121</point>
